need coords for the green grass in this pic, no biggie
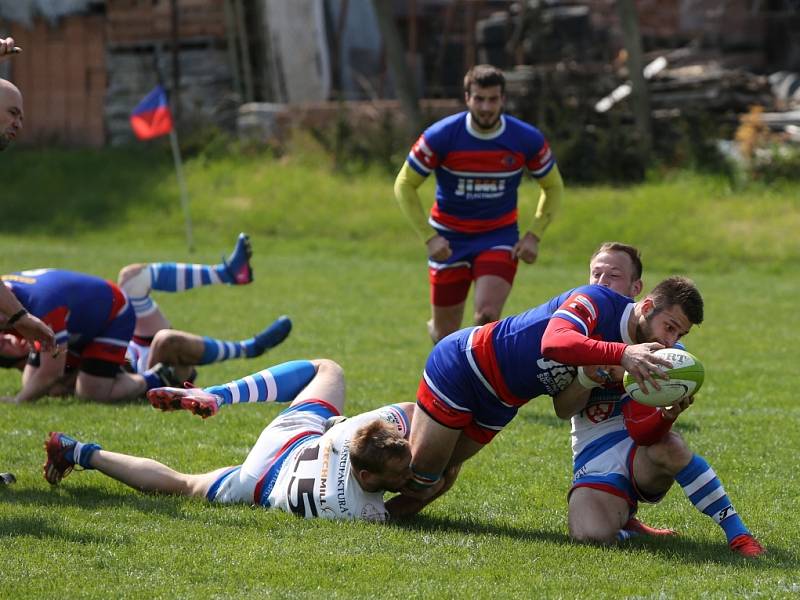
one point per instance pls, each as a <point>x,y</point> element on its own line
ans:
<point>335,254</point>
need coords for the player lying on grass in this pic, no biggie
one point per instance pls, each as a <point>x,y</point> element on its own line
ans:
<point>161,355</point>
<point>306,461</point>
<point>154,341</point>
<point>94,318</point>
<point>625,452</point>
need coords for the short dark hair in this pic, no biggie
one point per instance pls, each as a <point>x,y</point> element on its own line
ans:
<point>376,443</point>
<point>631,251</point>
<point>484,76</point>
<point>680,291</point>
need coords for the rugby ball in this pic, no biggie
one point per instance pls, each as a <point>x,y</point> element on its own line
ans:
<point>685,378</point>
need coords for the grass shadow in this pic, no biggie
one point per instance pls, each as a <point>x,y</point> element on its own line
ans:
<point>675,548</point>
<point>33,527</point>
<point>64,191</point>
<point>91,499</point>
<point>473,526</point>
<point>691,551</point>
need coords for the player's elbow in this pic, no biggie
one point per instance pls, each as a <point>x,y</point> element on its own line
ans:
<point>403,190</point>
<point>551,349</point>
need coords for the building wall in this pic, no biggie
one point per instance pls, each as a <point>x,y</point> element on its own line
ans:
<point>62,75</point>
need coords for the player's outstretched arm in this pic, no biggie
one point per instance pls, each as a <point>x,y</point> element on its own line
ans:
<point>572,399</point>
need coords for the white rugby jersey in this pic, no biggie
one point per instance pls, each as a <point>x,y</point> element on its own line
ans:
<point>317,479</point>
<point>600,423</point>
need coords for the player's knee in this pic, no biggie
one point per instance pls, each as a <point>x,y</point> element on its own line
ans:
<point>484,315</point>
<point>591,535</point>
<point>438,331</point>
<point>135,280</point>
<point>671,453</point>
<point>329,368</point>
<point>164,342</point>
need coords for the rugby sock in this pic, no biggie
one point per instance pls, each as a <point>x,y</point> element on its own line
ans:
<point>153,378</point>
<point>137,287</point>
<point>178,277</point>
<point>625,534</point>
<point>704,489</point>
<point>219,350</point>
<point>82,453</point>
<point>143,306</point>
<point>280,383</point>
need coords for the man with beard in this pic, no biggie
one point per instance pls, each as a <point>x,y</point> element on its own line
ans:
<point>626,453</point>
<point>479,157</point>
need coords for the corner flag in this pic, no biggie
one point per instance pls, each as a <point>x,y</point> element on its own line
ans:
<point>152,118</point>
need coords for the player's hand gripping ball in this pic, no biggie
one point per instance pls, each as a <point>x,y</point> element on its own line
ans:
<point>685,378</point>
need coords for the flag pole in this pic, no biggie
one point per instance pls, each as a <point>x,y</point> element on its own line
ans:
<point>176,157</point>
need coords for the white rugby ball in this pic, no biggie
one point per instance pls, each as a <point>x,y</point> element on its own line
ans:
<point>685,378</point>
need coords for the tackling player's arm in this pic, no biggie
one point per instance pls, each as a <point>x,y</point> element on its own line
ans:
<point>405,191</point>
<point>572,400</point>
<point>566,340</point>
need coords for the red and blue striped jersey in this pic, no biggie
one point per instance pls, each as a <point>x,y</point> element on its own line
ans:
<point>477,174</point>
<point>509,352</point>
<point>78,307</point>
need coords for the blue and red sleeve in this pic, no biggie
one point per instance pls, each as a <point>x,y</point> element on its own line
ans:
<point>567,337</point>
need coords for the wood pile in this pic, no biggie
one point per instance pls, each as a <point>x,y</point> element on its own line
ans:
<point>707,86</point>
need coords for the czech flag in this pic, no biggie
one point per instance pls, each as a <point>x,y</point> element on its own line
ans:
<point>152,117</point>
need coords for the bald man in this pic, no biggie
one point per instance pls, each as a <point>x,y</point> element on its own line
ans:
<point>10,99</point>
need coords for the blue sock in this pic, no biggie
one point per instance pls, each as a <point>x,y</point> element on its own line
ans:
<point>625,534</point>
<point>280,383</point>
<point>178,277</point>
<point>704,489</point>
<point>82,453</point>
<point>152,379</point>
<point>219,350</point>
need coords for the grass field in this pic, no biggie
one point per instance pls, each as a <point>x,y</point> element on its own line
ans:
<point>335,254</point>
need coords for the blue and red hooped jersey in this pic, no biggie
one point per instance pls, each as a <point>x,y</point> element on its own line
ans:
<point>78,307</point>
<point>509,352</point>
<point>477,175</point>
